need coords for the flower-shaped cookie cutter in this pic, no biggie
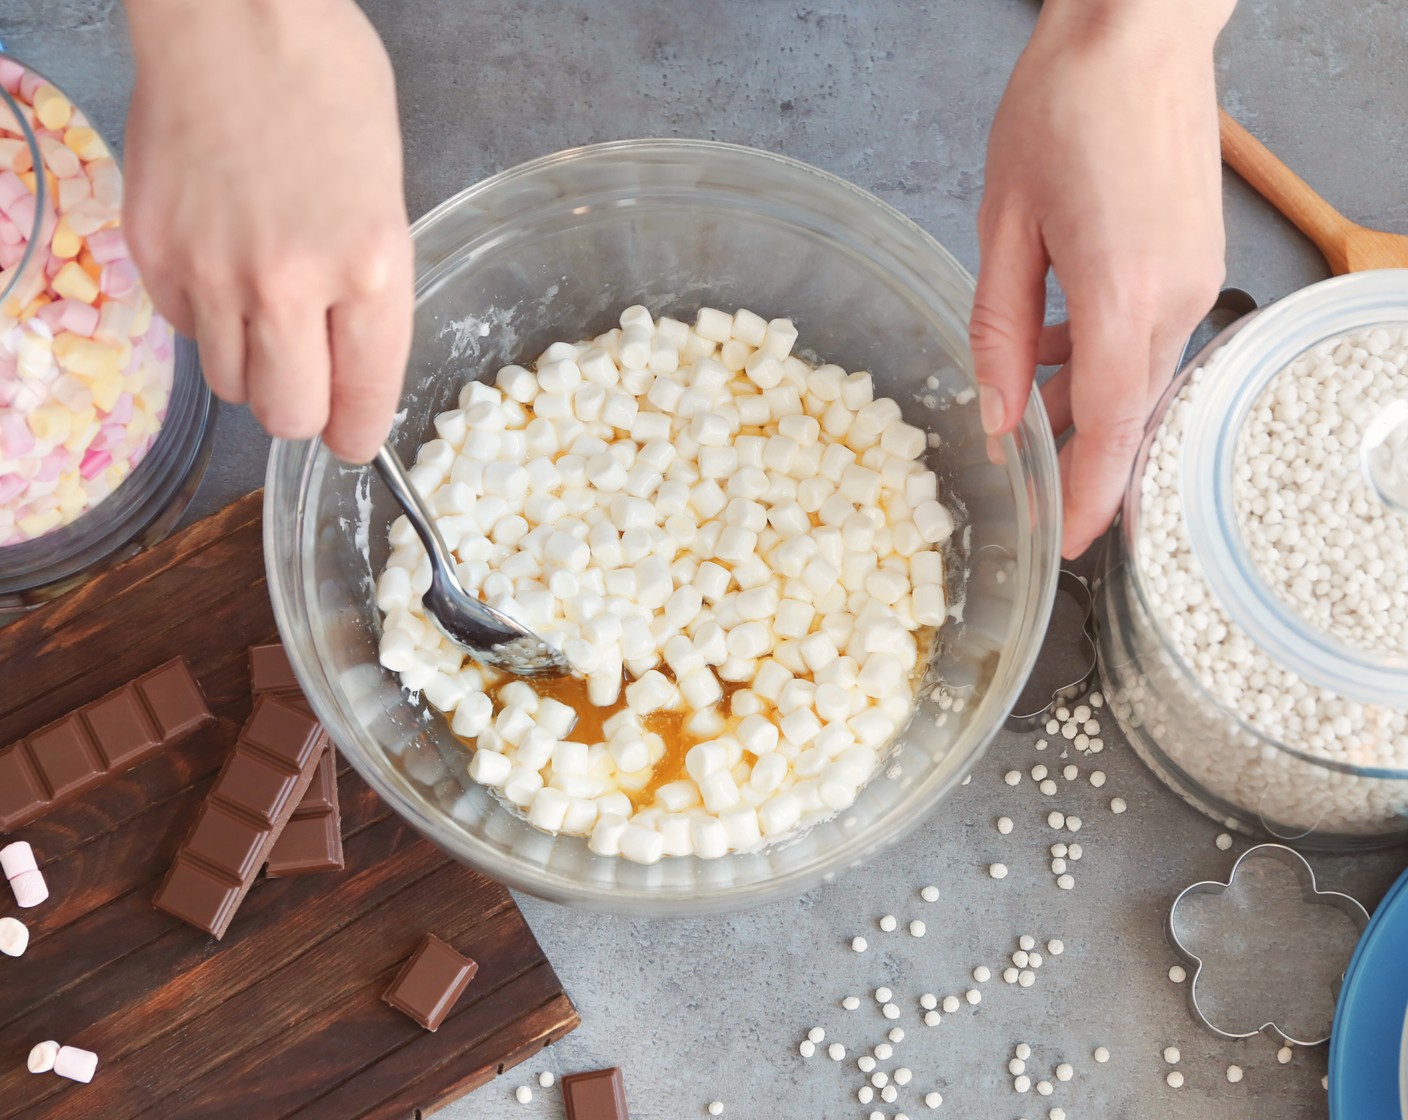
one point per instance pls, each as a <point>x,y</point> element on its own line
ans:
<point>1077,661</point>
<point>1309,894</point>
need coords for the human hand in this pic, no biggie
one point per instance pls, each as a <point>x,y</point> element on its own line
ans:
<point>265,208</point>
<point>1104,166</point>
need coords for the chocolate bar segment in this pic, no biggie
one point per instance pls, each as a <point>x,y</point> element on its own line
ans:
<point>254,796</point>
<point>430,983</point>
<point>312,842</point>
<point>599,1095</point>
<point>99,741</point>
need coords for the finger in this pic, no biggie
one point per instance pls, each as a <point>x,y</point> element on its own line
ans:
<point>287,369</point>
<point>219,332</point>
<point>1109,383</point>
<point>172,302</point>
<point>1008,309</point>
<point>1053,348</point>
<point>371,339</point>
<point>1056,396</point>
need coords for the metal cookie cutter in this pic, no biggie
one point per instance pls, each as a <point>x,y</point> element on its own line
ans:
<point>1268,951</point>
<point>1065,666</point>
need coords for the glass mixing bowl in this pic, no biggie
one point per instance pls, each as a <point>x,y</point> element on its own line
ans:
<point>555,249</point>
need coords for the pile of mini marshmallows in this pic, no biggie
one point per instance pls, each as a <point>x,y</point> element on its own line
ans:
<point>677,508</point>
<point>85,366</point>
<point>1323,541</point>
<point>1295,446</point>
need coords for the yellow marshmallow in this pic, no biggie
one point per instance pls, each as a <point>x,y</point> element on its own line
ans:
<point>83,428</point>
<point>85,142</point>
<point>65,244</point>
<point>37,524</point>
<point>31,309</point>
<point>51,107</point>
<point>72,282</point>
<point>142,323</point>
<point>106,389</point>
<point>71,505</point>
<point>49,423</point>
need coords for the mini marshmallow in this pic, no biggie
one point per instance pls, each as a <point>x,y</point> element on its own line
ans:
<point>75,1064</point>
<point>43,1056</point>
<point>14,937</point>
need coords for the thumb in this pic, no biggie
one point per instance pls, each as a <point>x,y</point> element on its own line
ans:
<point>1008,309</point>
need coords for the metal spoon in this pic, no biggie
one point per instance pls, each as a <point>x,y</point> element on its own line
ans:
<point>486,634</point>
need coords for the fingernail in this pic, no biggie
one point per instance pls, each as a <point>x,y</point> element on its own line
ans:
<point>991,408</point>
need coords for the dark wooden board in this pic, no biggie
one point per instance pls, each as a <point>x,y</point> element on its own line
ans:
<point>283,1018</point>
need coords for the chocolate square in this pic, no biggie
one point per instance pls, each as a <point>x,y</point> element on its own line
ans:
<point>283,731</point>
<point>256,785</point>
<point>599,1095</point>
<point>174,698</point>
<point>269,669</point>
<point>226,841</point>
<point>430,983</point>
<point>194,895</point>
<point>121,728</point>
<point>64,756</point>
<point>21,790</point>
<point>306,845</point>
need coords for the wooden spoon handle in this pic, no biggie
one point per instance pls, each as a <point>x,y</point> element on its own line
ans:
<point>1284,189</point>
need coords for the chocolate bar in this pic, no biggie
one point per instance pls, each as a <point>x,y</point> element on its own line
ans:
<point>598,1095</point>
<point>99,741</point>
<point>312,841</point>
<point>430,983</point>
<point>254,796</point>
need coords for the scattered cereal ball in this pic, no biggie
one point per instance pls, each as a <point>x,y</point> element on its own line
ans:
<point>1234,1074</point>
<point>951,1004</point>
<point>998,870</point>
<point>806,1048</point>
<point>1224,841</point>
<point>932,1018</point>
<point>1021,1083</point>
<point>1178,974</point>
<point>523,1094</point>
<point>982,974</point>
<point>1065,882</point>
<point>716,1108</point>
<point>933,1100</point>
<point>1012,777</point>
<point>1117,805</point>
<point>1102,1054</point>
<point>928,1001</point>
<point>929,894</point>
<point>865,1063</point>
<point>884,1051</point>
<point>865,1094</point>
<point>889,923</point>
<point>1064,1072</point>
<point>1056,1114</point>
<point>1023,1051</point>
<point>883,995</point>
<point>1097,778</point>
<point>859,944</point>
<point>850,1003</point>
<point>896,1034</point>
<point>836,1052</point>
<point>1026,978</point>
<point>903,1076</point>
<point>817,1035</point>
<point>547,1079</point>
<point>1171,1055</point>
<point>1283,1055</point>
<point>917,928</point>
<point>890,1011</point>
<point>1055,947</point>
<point>1044,1088</point>
<point>973,996</point>
<point>1004,825</point>
<point>1016,1067</point>
<point>1175,1080</point>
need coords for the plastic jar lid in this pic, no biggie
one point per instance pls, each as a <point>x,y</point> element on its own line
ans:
<point>1263,348</point>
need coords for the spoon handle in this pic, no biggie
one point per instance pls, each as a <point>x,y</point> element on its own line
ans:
<point>388,464</point>
<point>1286,191</point>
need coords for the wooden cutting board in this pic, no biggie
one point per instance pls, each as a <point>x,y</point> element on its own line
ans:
<point>284,1017</point>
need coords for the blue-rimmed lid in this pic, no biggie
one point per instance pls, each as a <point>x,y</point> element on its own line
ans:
<point>1265,347</point>
<point>1366,1039</point>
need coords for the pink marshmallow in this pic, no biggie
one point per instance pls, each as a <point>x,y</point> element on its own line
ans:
<point>16,440</point>
<point>119,279</point>
<point>29,85</point>
<point>52,465</point>
<point>9,232</point>
<point>93,463</point>
<point>11,74</point>
<point>17,858</point>
<point>30,889</point>
<point>22,212</point>
<point>12,189</point>
<point>108,245</point>
<point>11,487</point>
<point>76,1064</point>
<point>121,411</point>
<point>10,255</point>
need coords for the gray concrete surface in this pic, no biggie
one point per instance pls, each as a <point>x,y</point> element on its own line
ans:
<point>896,96</point>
